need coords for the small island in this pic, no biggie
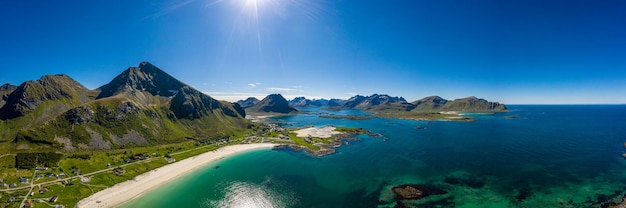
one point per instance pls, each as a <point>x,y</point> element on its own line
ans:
<point>348,117</point>
<point>320,141</point>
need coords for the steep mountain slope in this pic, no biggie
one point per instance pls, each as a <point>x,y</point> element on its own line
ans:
<point>299,102</point>
<point>378,102</point>
<point>51,94</point>
<point>274,103</point>
<point>5,90</point>
<point>431,103</point>
<point>335,102</point>
<point>473,104</point>
<point>145,78</point>
<point>354,101</point>
<point>141,106</point>
<point>248,102</point>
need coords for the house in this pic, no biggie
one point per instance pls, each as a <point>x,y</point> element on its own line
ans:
<point>49,175</point>
<point>108,165</point>
<point>38,176</point>
<point>28,204</point>
<point>23,180</point>
<point>12,185</point>
<point>11,199</point>
<point>53,199</point>
<point>43,190</point>
<point>41,168</point>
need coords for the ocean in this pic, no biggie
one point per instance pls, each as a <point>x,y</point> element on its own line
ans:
<point>532,156</point>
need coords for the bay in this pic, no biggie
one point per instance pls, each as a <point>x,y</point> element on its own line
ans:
<point>532,156</point>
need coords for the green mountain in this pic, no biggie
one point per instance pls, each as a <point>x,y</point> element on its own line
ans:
<point>59,91</point>
<point>425,108</point>
<point>274,103</point>
<point>431,103</point>
<point>468,104</point>
<point>378,103</point>
<point>5,90</point>
<point>248,102</point>
<point>141,106</point>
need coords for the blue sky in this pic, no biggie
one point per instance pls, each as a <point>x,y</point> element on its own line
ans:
<point>509,51</point>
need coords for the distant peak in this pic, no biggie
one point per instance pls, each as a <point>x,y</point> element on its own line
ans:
<point>145,77</point>
<point>276,96</point>
<point>7,86</point>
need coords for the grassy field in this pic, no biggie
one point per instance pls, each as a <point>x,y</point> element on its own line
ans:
<point>99,167</point>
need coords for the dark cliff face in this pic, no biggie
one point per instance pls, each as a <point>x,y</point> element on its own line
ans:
<point>31,94</point>
<point>378,102</point>
<point>299,102</point>
<point>354,101</point>
<point>5,90</point>
<point>189,103</point>
<point>186,102</point>
<point>146,77</point>
<point>274,103</point>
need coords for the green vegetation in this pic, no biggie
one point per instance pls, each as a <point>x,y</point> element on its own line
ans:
<point>302,143</point>
<point>31,160</point>
<point>352,130</point>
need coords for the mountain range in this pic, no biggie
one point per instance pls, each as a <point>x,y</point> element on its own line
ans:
<point>142,106</point>
<point>432,107</point>
<point>146,106</point>
<point>382,103</point>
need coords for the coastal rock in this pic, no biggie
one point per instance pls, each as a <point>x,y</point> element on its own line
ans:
<point>415,192</point>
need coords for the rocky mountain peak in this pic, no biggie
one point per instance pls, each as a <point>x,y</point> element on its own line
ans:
<point>248,102</point>
<point>31,94</point>
<point>146,78</point>
<point>7,87</point>
<point>274,103</point>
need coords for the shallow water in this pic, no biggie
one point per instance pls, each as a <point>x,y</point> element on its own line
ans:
<point>551,156</point>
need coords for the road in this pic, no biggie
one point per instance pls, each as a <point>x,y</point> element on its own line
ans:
<point>32,184</point>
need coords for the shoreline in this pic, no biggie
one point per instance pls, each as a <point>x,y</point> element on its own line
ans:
<point>125,191</point>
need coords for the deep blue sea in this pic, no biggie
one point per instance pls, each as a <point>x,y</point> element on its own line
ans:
<point>549,156</point>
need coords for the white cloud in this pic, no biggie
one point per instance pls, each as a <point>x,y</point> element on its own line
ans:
<point>280,89</point>
<point>233,96</point>
<point>254,84</point>
<point>228,83</point>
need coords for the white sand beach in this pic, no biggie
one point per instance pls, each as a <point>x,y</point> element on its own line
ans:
<point>125,191</point>
<point>323,132</point>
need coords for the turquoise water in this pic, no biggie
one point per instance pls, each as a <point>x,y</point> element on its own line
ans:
<point>551,156</point>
